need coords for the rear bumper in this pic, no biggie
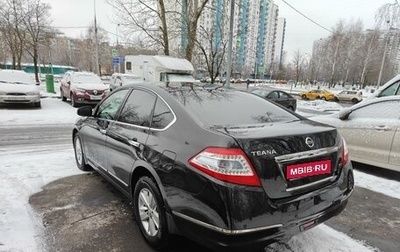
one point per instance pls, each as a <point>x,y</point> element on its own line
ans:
<point>256,221</point>
<point>252,239</point>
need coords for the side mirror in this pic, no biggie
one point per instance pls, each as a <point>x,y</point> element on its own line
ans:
<point>85,111</point>
<point>344,113</point>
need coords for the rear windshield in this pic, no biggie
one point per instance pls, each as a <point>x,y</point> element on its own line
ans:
<point>223,107</point>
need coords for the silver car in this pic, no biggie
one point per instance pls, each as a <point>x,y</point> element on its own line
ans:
<point>372,131</point>
<point>353,96</point>
<point>16,86</point>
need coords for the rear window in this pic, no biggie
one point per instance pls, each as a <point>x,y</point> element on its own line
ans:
<point>229,107</point>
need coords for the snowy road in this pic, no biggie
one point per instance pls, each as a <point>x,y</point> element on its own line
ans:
<point>34,153</point>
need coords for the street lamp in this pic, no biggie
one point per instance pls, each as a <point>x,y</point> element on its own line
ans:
<point>116,33</point>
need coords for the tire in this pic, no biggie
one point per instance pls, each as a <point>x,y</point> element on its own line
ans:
<point>63,98</point>
<point>79,155</point>
<point>304,97</point>
<point>336,99</point>
<point>150,214</point>
<point>73,102</point>
<point>37,104</point>
<point>291,108</point>
<point>354,100</point>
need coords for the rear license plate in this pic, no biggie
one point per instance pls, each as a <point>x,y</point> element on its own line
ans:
<point>308,169</point>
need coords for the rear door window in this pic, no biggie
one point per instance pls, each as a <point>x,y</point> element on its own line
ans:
<point>137,109</point>
<point>162,115</point>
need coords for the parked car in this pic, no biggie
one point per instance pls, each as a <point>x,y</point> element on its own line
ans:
<point>82,88</point>
<point>278,96</point>
<point>120,79</point>
<point>353,96</point>
<point>17,87</point>
<point>372,131</point>
<point>317,94</point>
<point>219,166</point>
<point>392,87</point>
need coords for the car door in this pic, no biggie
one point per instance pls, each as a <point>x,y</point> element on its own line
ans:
<point>394,158</point>
<point>126,138</point>
<point>284,99</point>
<point>313,94</point>
<point>369,132</point>
<point>97,126</point>
<point>65,86</point>
<point>274,96</point>
<point>344,96</point>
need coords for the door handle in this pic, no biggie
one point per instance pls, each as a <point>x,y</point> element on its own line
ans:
<point>134,143</point>
<point>382,128</point>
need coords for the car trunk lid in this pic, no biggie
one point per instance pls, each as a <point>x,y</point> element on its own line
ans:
<point>290,158</point>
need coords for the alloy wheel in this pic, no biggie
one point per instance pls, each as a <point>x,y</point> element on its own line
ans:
<point>78,151</point>
<point>148,211</point>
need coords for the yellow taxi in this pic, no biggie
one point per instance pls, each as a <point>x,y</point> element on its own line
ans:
<point>317,94</point>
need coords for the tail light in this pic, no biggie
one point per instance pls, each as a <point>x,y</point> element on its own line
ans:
<point>226,164</point>
<point>345,153</point>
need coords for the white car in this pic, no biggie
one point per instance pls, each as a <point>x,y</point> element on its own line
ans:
<point>371,130</point>
<point>353,96</point>
<point>392,87</point>
<point>16,86</point>
<point>120,79</point>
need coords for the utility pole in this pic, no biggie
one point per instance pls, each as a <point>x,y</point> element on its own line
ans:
<point>386,40</point>
<point>96,41</point>
<point>229,63</point>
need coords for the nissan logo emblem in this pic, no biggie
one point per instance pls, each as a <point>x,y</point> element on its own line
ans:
<point>309,142</point>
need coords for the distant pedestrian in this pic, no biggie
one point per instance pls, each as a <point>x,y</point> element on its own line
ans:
<point>248,83</point>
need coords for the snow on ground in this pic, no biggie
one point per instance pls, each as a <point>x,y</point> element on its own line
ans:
<point>35,167</point>
<point>321,238</point>
<point>21,177</point>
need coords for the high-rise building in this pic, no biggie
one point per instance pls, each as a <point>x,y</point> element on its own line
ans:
<point>258,35</point>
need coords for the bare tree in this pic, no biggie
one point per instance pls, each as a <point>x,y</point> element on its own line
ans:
<point>157,22</point>
<point>297,64</point>
<point>191,14</point>
<point>36,22</point>
<point>388,13</point>
<point>11,28</point>
<point>213,52</point>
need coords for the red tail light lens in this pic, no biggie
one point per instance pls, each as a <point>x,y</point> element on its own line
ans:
<point>226,164</point>
<point>345,152</point>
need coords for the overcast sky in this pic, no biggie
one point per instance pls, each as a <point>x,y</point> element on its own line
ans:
<point>300,32</point>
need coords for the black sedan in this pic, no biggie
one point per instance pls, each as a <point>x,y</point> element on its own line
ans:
<point>220,166</point>
<point>278,96</point>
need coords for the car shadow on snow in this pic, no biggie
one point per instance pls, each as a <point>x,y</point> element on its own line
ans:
<point>19,106</point>
<point>86,213</point>
<point>377,171</point>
